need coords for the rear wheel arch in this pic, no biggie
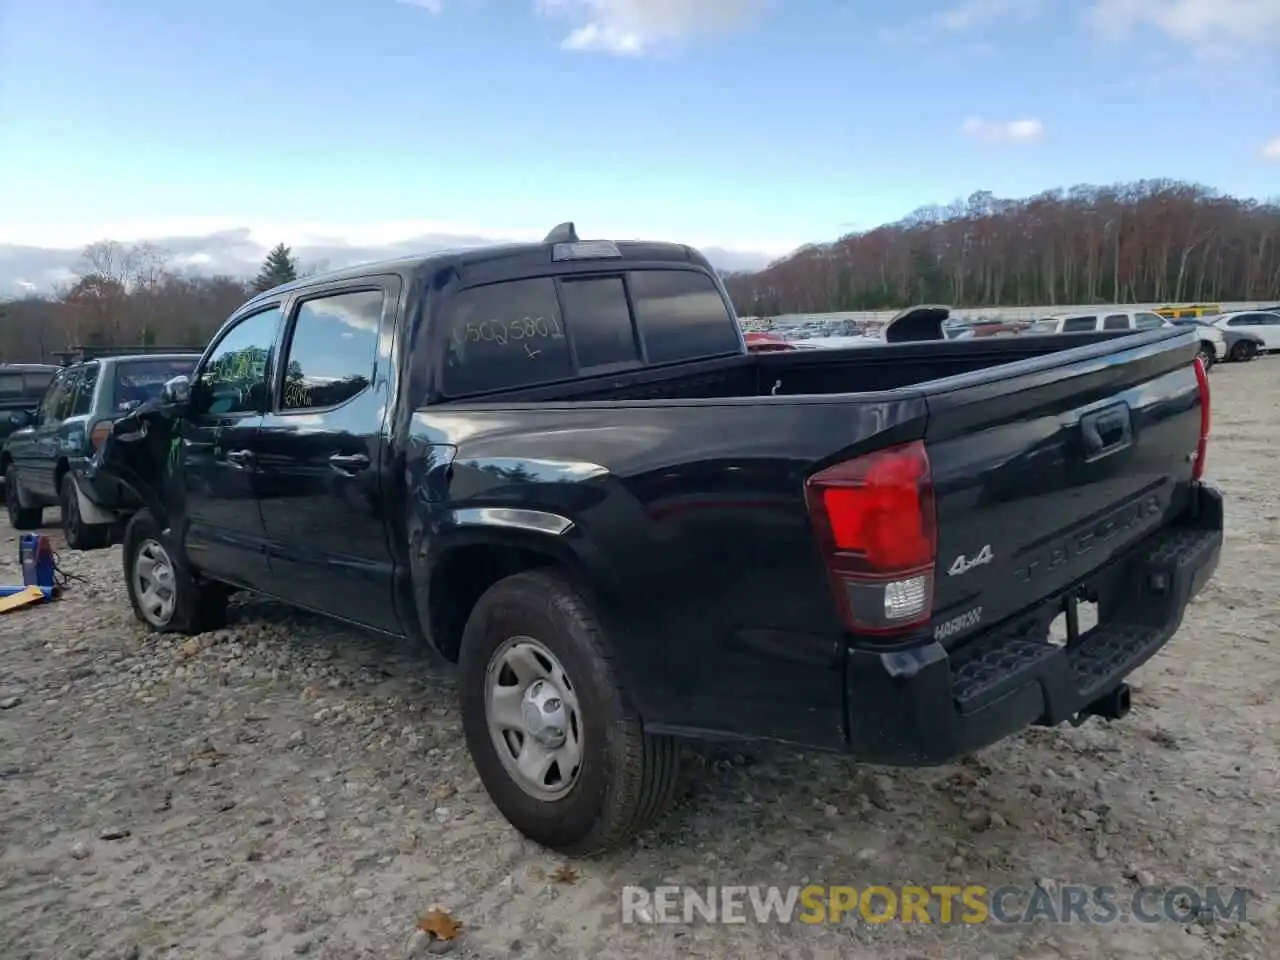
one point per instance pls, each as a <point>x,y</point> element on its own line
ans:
<point>59,471</point>
<point>459,569</point>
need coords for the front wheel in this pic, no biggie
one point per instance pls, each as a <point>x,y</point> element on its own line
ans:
<point>162,593</point>
<point>20,517</point>
<point>558,747</point>
<point>1207,355</point>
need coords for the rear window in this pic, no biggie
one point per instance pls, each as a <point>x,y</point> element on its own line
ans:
<point>1079,324</point>
<point>518,332</point>
<point>681,315</point>
<point>137,381</point>
<point>17,385</point>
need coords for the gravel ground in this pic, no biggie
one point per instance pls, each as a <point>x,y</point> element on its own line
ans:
<point>288,788</point>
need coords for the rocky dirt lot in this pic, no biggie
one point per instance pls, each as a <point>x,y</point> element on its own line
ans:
<point>287,788</point>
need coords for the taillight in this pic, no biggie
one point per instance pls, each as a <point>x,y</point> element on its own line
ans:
<point>1202,381</point>
<point>875,520</point>
<point>99,433</point>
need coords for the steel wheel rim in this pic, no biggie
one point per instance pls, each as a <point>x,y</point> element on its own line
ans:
<point>534,718</point>
<point>153,583</point>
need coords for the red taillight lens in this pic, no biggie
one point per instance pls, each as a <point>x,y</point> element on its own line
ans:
<point>876,524</point>
<point>1202,381</point>
<point>99,433</point>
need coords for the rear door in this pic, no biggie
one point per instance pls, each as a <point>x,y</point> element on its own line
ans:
<point>320,455</point>
<point>48,441</point>
<point>1041,476</point>
<point>1117,321</point>
<point>1258,325</point>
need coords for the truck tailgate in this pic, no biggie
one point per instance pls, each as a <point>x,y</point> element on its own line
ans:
<point>1050,468</point>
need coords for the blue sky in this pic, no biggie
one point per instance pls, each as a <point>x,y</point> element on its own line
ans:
<point>753,125</point>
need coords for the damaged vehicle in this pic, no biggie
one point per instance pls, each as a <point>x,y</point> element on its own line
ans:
<point>560,466</point>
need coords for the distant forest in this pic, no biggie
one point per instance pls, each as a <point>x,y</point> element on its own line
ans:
<point>1157,240</point>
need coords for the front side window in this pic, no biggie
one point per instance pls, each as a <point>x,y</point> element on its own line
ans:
<point>1149,321</point>
<point>56,405</point>
<point>233,379</point>
<point>332,349</point>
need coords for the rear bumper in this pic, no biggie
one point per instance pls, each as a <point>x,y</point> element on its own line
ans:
<point>925,706</point>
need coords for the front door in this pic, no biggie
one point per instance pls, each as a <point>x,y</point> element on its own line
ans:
<point>320,456</point>
<point>222,532</point>
<point>1260,326</point>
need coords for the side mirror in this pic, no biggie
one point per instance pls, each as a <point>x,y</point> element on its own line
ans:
<point>20,418</point>
<point>176,391</point>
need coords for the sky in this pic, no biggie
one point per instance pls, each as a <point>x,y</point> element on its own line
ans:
<point>351,129</point>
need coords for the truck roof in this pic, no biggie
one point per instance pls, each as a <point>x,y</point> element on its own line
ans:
<point>520,258</point>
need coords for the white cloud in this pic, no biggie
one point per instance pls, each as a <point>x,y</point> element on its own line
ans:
<point>975,13</point>
<point>1003,131</point>
<point>40,256</point>
<point>631,27</point>
<point>1271,151</point>
<point>1210,23</point>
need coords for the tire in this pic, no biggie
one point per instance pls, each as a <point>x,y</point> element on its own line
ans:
<point>625,778</point>
<point>20,517</point>
<point>1207,355</point>
<point>164,595</point>
<point>78,534</point>
<point>1243,351</point>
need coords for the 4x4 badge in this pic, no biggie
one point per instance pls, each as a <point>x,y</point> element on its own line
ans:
<point>963,564</point>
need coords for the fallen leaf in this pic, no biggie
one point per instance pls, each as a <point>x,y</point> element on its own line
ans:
<point>563,874</point>
<point>439,924</point>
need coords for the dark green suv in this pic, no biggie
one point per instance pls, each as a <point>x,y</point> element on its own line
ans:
<point>45,454</point>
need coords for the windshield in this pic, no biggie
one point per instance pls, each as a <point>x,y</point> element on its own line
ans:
<point>137,381</point>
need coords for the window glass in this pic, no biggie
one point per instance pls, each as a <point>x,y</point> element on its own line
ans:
<point>234,376</point>
<point>56,404</point>
<point>1117,321</point>
<point>1243,321</point>
<point>505,335</point>
<point>681,315</point>
<point>599,320</point>
<point>332,349</point>
<point>1078,324</point>
<point>1149,321</point>
<point>88,382</point>
<point>1043,326</point>
<point>137,381</point>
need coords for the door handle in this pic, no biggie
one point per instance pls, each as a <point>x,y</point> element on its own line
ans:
<point>349,462</point>
<point>241,458</point>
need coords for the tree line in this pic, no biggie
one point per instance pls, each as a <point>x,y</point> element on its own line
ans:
<point>129,296</point>
<point>1155,240</point>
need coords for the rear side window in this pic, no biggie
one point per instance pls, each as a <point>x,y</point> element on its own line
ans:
<point>681,315</point>
<point>1079,324</point>
<point>137,381</point>
<point>1117,321</point>
<point>505,335</point>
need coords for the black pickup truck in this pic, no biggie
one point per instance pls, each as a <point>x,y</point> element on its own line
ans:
<point>558,464</point>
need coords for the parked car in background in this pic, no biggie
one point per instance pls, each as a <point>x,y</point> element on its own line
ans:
<point>44,454</point>
<point>766,342</point>
<point>1260,323</point>
<point>1213,344</point>
<point>21,387</point>
<point>1240,346</point>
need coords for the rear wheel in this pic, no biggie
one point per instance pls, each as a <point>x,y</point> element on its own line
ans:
<point>1244,350</point>
<point>164,595</point>
<point>557,745</point>
<point>79,535</point>
<point>20,517</point>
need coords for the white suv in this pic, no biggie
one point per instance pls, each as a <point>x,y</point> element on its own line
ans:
<point>1213,344</point>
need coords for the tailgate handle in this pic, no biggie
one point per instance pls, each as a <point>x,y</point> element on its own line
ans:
<point>1106,432</point>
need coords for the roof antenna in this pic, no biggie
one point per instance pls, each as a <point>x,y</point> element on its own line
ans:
<point>564,233</point>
